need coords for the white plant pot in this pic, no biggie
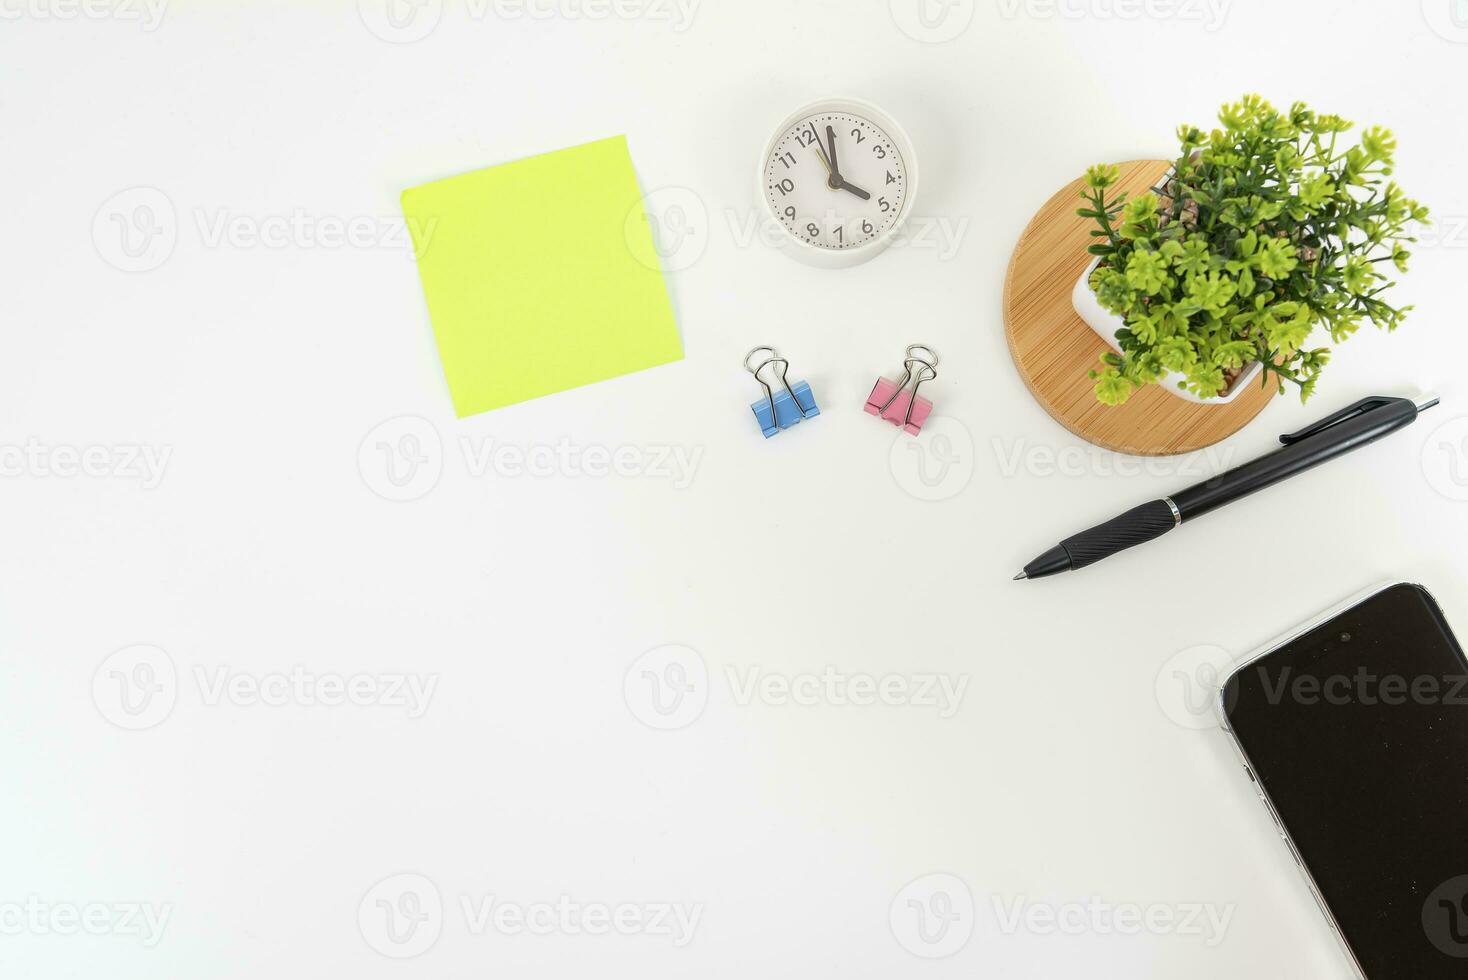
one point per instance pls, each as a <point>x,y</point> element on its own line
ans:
<point>1106,324</point>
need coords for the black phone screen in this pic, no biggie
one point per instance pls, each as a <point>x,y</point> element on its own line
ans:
<point>1358,732</point>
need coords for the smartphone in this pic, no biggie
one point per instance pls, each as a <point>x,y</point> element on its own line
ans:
<point>1355,732</point>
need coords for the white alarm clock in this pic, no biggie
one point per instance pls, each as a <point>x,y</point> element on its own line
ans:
<point>839,176</point>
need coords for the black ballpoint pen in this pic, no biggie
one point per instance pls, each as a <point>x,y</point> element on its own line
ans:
<point>1335,435</point>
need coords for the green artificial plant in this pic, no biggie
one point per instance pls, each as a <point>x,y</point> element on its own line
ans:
<point>1266,228</point>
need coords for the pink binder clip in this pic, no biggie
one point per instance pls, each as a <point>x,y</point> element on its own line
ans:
<point>891,400</point>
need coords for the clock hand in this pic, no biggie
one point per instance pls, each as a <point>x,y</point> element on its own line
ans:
<point>831,141</point>
<point>845,186</point>
<point>820,152</point>
<point>833,179</point>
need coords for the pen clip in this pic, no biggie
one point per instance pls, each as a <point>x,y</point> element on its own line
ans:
<point>1368,404</point>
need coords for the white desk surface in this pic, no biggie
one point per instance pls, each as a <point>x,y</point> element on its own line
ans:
<point>254,551</point>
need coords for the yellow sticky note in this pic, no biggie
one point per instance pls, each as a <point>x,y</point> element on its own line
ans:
<point>541,275</point>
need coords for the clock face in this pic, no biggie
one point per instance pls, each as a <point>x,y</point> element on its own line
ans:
<point>836,180</point>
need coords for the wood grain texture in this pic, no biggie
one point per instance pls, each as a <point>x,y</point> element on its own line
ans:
<point>1054,348</point>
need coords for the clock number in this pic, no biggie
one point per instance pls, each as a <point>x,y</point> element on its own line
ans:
<point>882,202</point>
<point>788,159</point>
<point>785,186</point>
<point>806,137</point>
<point>840,236</point>
<point>881,152</point>
<point>813,230</point>
<point>866,227</point>
<point>891,179</point>
<point>790,212</point>
<point>860,139</point>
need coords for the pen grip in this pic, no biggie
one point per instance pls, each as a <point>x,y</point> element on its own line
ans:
<point>1137,526</point>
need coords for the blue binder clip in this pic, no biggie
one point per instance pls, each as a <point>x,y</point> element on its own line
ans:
<point>779,410</point>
